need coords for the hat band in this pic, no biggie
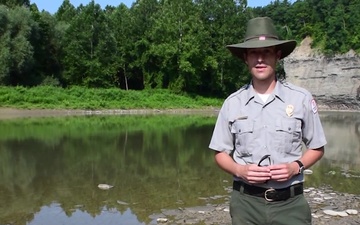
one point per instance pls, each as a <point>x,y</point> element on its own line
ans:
<point>262,38</point>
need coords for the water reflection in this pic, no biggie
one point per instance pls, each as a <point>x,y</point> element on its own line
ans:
<point>342,133</point>
<point>50,167</point>
<point>55,215</point>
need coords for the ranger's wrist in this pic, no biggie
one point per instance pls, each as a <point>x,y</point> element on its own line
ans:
<point>301,166</point>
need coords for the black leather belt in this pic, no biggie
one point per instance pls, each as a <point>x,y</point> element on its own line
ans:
<point>269,194</point>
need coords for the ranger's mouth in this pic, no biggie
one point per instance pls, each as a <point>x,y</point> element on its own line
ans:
<point>261,66</point>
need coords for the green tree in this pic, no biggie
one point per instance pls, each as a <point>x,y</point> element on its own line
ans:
<point>17,51</point>
<point>66,12</point>
<point>89,44</point>
<point>142,19</point>
<point>5,42</point>
<point>353,25</point>
<point>14,3</point>
<point>301,23</point>
<point>278,11</point>
<point>120,24</point>
<point>46,48</point>
<point>336,30</point>
<point>225,21</point>
<point>176,49</point>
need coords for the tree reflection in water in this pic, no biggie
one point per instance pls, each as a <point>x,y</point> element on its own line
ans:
<point>51,167</point>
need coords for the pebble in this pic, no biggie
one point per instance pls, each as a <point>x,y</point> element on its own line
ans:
<point>122,203</point>
<point>316,215</point>
<point>105,186</point>
<point>352,212</point>
<point>318,199</point>
<point>335,213</point>
<point>162,220</point>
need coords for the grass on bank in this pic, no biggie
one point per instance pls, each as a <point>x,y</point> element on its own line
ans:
<point>48,97</point>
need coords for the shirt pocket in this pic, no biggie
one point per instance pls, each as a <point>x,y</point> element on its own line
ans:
<point>243,132</point>
<point>288,135</point>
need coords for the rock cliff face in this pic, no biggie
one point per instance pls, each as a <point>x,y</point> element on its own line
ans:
<point>334,82</point>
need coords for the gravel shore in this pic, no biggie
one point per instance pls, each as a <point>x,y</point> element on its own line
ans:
<point>328,207</point>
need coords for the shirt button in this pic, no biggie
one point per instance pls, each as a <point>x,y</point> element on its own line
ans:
<point>289,128</point>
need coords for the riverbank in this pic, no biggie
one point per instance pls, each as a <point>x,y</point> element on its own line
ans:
<point>12,113</point>
<point>327,206</point>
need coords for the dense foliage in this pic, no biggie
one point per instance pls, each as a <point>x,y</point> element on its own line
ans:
<point>156,44</point>
<point>75,97</point>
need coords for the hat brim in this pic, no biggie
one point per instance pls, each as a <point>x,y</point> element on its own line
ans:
<point>286,47</point>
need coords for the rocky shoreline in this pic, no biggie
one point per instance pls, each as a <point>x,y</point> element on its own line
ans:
<point>327,206</point>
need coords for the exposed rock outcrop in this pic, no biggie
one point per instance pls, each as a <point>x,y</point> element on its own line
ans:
<point>334,82</point>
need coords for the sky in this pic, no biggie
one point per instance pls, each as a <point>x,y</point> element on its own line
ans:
<point>53,5</point>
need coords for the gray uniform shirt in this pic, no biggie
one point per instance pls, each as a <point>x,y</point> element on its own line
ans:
<point>250,128</point>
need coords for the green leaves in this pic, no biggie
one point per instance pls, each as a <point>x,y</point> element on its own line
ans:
<point>88,49</point>
<point>17,51</point>
<point>15,3</point>
<point>177,45</point>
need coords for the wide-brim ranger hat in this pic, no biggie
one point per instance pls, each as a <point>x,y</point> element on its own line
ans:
<point>261,33</point>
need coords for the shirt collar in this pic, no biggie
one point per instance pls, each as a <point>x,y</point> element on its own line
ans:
<point>278,91</point>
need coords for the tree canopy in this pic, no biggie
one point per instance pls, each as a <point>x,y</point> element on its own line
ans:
<point>156,44</point>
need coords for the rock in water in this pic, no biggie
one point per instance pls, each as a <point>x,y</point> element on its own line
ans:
<point>105,186</point>
<point>162,220</point>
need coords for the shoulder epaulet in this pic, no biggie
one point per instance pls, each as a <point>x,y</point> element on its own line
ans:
<point>236,93</point>
<point>245,87</point>
<point>295,87</point>
<point>284,82</point>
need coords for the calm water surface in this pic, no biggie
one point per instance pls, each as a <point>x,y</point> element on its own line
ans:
<point>50,167</point>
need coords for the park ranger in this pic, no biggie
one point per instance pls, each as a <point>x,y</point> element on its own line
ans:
<point>260,131</point>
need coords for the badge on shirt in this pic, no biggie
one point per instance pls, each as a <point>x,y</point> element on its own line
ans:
<point>290,110</point>
<point>314,107</point>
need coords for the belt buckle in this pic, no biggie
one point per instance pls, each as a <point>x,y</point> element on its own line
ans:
<point>269,191</point>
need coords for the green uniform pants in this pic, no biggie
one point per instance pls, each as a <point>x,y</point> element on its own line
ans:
<point>246,209</point>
